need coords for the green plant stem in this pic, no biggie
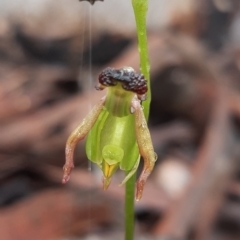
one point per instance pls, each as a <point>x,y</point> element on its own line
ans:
<point>129,208</point>
<point>140,8</point>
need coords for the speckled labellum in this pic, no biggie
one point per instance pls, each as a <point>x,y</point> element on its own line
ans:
<point>116,128</point>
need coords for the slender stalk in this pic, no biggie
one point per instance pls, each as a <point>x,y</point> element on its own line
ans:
<point>129,207</point>
<point>140,8</point>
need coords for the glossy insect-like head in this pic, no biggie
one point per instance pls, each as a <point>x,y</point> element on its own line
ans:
<point>91,1</point>
<point>126,77</point>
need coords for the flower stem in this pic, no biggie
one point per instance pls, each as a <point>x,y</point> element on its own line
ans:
<point>140,8</point>
<point>129,208</point>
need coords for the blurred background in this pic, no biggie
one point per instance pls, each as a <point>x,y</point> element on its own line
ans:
<point>51,53</point>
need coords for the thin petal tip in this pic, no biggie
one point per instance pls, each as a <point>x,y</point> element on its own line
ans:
<point>106,182</point>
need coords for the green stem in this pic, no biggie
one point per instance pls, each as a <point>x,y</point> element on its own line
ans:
<point>140,8</point>
<point>129,208</point>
